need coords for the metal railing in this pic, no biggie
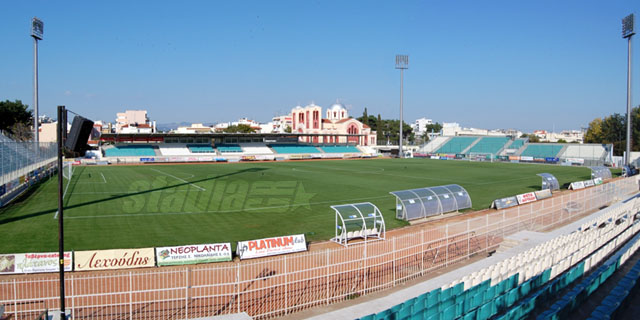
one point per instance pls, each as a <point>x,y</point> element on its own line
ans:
<point>276,286</point>
<point>18,158</point>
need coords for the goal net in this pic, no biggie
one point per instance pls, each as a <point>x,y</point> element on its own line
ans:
<point>67,174</point>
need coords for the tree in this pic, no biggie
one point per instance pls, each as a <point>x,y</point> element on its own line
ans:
<point>380,134</point>
<point>594,132</point>
<point>14,118</point>
<point>436,127</point>
<point>532,137</point>
<point>365,117</point>
<point>241,128</point>
<point>287,129</point>
<point>561,141</point>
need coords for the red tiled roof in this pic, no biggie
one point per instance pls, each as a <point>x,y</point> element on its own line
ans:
<point>365,126</point>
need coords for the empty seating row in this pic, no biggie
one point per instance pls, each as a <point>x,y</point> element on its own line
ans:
<point>362,233</point>
<point>339,149</point>
<point>560,258</point>
<point>489,145</point>
<point>173,149</point>
<point>293,148</point>
<point>517,144</point>
<point>133,150</point>
<point>627,286</point>
<point>456,145</point>
<point>228,148</point>
<point>563,306</point>
<point>542,150</point>
<point>200,148</point>
<point>255,148</point>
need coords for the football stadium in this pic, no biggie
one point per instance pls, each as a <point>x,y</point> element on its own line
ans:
<point>158,229</point>
<point>512,194</point>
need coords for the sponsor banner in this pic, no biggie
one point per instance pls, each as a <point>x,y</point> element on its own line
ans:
<point>199,253</point>
<point>539,159</point>
<point>248,158</point>
<point>221,159</point>
<point>76,162</point>
<point>504,158</point>
<point>435,157</point>
<point>147,159</point>
<point>543,194</point>
<point>114,259</point>
<point>526,197</point>
<point>207,159</point>
<point>271,246</point>
<point>514,158</point>
<point>577,185</point>
<point>597,181</point>
<point>588,183</point>
<point>176,159</point>
<point>574,160</point>
<point>524,158</point>
<point>505,203</point>
<point>34,262</point>
<point>192,159</point>
<point>551,159</point>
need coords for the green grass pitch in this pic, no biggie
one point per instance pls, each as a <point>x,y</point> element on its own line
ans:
<point>162,205</point>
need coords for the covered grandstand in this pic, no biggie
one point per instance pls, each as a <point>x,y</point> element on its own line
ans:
<point>158,147</point>
<point>509,149</point>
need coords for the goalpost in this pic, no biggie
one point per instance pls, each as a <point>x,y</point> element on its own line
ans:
<point>67,174</point>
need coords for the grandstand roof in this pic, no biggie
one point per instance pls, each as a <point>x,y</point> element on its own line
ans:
<point>159,136</point>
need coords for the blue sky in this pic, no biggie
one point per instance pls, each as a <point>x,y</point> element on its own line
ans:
<point>488,64</point>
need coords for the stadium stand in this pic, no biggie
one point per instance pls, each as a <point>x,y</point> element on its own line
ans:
<point>489,145</point>
<point>229,148</point>
<point>456,145</point>
<point>517,144</point>
<point>255,148</point>
<point>339,149</point>
<point>542,150</point>
<point>19,158</point>
<point>512,288</point>
<point>585,151</point>
<point>201,148</point>
<point>173,149</point>
<point>293,148</point>
<point>133,150</point>
<point>434,145</point>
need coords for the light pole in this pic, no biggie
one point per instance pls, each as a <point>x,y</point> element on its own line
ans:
<point>627,32</point>
<point>37,29</point>
<point>402,63</point>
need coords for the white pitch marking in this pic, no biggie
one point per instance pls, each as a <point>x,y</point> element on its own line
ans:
<point>180,179</point>
<point>105,180</point>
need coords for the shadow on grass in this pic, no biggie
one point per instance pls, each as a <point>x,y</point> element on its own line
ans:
<point>39,213</point>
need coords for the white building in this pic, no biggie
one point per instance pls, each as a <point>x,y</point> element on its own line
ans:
<point>133,119</point>
<point>566,135</point>
<point>337,122</point>
<point>451,129</point>
<point>194,128</point>
<point>420,125</point>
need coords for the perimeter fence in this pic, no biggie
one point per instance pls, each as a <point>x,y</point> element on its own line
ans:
<point>276,286</point>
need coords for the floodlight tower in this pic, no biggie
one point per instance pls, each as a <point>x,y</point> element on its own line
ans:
<point>37,30</point>
<point>627,32</point>
<point>402,63</point>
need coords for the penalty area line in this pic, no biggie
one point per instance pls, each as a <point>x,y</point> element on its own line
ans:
<point>179,179</point>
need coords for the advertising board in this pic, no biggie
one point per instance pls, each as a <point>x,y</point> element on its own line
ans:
<point>505,203</point>
<point>192,254</point>
<point>526,197</point>
<point>34,262</point>
<point>114,259</point>
<point>271,246</point>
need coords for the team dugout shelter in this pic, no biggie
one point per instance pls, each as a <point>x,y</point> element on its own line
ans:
<point>430,201</point>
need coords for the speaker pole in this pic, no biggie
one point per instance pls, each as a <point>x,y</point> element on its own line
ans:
<point>61,124</point>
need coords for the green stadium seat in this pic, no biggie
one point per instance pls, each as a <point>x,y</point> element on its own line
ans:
<point>382,315</point>
<point>471,315</point>
<point>525,288</point>
<point>512,297</point>
<point>449,313</point>
<point>369,317</point>
<point>486,311</point>
<point>490,294</point>
<point>433,298</point>
<point>500,303</point>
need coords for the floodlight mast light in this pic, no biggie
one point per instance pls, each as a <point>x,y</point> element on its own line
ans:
<point>627,32</point>
<point>402,63</point>
<point>37,32</point>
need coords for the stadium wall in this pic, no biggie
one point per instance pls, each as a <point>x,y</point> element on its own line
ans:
<point>276,286</point>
